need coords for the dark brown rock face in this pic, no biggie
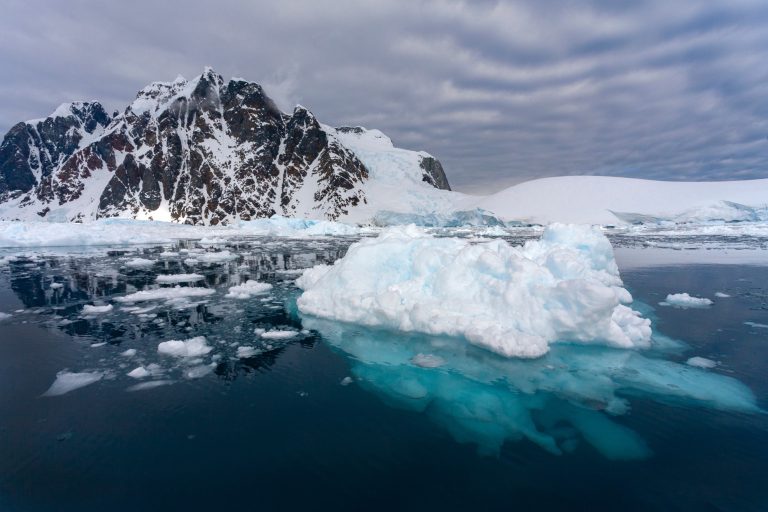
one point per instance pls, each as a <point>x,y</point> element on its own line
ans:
<point>200,152</point>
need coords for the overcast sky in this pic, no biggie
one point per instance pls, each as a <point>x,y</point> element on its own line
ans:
<point>500,92</point>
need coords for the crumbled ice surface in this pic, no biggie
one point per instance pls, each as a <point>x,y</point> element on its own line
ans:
<point>179,278</point>
<point>248,289</point>
<point>67,381</point>
<point>683,300</point>
<point>701,362</point>
<point>89,310</point>
<point>193,347</point>
<point>176,292</point>
<point>129,232</point>
<point>514,301</point>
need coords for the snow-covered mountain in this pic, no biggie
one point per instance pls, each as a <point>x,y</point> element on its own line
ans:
<point>205,151</point>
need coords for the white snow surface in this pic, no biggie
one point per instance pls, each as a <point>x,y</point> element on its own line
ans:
<point>193,347</point>
<point>684,300</point>
<point>514,301</point>
<point>597,200</point>
<point>127,232</point>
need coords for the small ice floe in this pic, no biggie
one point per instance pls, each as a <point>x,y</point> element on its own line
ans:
<point>139,373</point>
<point>129,353</point>
<point>279,335</point>
<point>248,289</point>
<point>721,295</point>
<point>90,310</point>
<point>4,316</point>
<point>97,345</point>
<point>685,301</point>
<point>346,381</point>
<point>69,381</point>
<point>427,360</point>
<point>196,372</point>
<point>139,263</point>
<point>193,347</point>
<point>701,362</point>
<point>757,325</point>
<point>56,286</point>
<point>149,385</point>
<point>179,278</point>
<point>168,254</point>
<point>246,352</point>
<point>165,294</point>
<point>210,258</point>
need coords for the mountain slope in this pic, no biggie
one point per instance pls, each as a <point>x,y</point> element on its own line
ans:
<point>201,152</point>
<point>608,200</point>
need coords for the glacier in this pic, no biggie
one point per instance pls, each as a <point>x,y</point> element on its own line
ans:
<point>514,301</point>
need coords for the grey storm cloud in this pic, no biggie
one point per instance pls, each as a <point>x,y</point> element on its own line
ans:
<point>501,92</point>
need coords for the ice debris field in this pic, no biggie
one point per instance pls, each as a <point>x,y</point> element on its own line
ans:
<point>496,338</point>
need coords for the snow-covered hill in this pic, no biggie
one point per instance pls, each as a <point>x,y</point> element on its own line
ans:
<point>610,201</point>
<point>205,151</point>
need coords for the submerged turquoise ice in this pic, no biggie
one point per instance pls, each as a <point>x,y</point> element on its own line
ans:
<point>572,394</point>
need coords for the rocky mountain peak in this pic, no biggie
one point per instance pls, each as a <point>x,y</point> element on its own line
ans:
<point>201,151</point>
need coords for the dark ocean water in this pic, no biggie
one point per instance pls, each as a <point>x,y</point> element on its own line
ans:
<point>279,430</point>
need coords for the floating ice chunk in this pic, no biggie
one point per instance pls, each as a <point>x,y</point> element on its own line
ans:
<point>139,263</point>
<point>179,278</point>
<point>149,385</point>
<point>246,352</point>
<point>193,347</point>
<point>139,373</point>
<point>683,300</point>
<point>56,286</point>
<point>97,345</point>
<point>427,360</point>
<point>166,294</point>
<point>129,353</point>
<point>279,335</point>
<point>168,254</point>
<point>515,301</point>
<point>701,362</point>
<point>248,289</point>
<point>346,381</point>
<point>67,381</point>
<point>89,310</point>
<point>199,371</point>
<point>751,324</point>
<point>214,257</point>
<point>721,295</point>
<point>5,316</point>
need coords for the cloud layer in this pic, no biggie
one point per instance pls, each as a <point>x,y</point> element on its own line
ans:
<point>500,91</point>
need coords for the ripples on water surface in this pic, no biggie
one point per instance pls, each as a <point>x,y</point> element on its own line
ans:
<point>329,415</point>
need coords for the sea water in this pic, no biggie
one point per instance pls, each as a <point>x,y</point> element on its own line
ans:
<point>259,407</point>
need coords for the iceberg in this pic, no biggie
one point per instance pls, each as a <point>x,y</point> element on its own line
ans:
<point>514,301</point>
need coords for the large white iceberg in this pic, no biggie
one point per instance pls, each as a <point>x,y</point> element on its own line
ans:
<point>515,301</point>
